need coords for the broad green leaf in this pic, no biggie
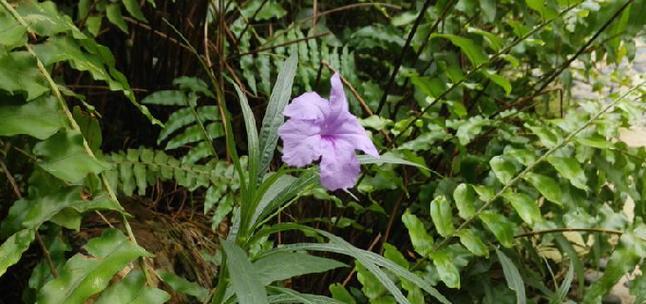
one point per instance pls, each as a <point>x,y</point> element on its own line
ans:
<point>340,293</point>
<point>93,24</point>
<point>442,216</point>
<point>388,158</point>
<point>472,242</point>
<point>244,278</point>
<point>638,288</point>
<point>31,213</point>
<point>90,128</point>
<point>12,249</point>
<point>489,9</point>
<point>132,290</point>
<point>64,156</point>
<point>422,241</point>
<point>273,118</point>
<point>18,73</point>
<point>504,169</point>
<point>430,86</point>
<point>134,10</point>
<point>541,7</point>
<point>547,137</point>
<point>285,265</point>
<point>45,19</point>
<point>372,288</point>
<point>525,206</point>
<point>547,186</point>
<point>501,81</point>
<point>500,226</point>
<point>448,272</point>
<point>494,42</point>
<point>40,118</point>
<point>465,198</point>
<point>84,276</point>
<point>12,34</point>
<point>485,193</point>
<point>512,276</point>
<point>570,169</point>
<point>184,286</point>
<point>473,51</point>
<point>113,12</point>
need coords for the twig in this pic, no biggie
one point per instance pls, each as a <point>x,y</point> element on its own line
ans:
<point>400,59</point>
<point>540,232</point>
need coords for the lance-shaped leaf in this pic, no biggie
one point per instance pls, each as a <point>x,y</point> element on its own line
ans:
<point>512,276</point>
<point>132,290</point>
<point>274,114</point>
<point>12,249</point>
<point>244,279</point>
<point>474,52</point>
<point>284,265</point>
<point>571,170</point>
<point>84,276</point>
<point>501,228</point>
<point>525,206</point>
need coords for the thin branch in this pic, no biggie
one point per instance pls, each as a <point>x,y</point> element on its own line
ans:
<point>400,59</point>
<point>556,230</point>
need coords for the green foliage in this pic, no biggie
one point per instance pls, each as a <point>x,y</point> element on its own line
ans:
<point>485,139</point>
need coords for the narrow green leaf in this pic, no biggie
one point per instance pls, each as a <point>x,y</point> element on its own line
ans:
<point>571,170</point>
<point>525,206</point>
<point>273,118</point>
<point>442,216</point>
<point>12,249</point>
<point>500,226</point>
<point>472,242</point>
<point>132,290</point>
<point>389,158</point>
<point>512,276</point>
<point>448,272</point>
<point>561,294</point>
<point>547,186</point>
<point>40,118</point>
<point>244,278</point>
<point>282,190</point>
<point>285,265</point>
<point>83,276</point>
<point>253,144</point>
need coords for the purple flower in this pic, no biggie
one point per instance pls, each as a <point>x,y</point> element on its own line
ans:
<point>323,129</point>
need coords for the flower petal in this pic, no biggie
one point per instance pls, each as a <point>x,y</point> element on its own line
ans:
<point>339,166</point>
<point>338,101</point>
<point>307,106</point>
<point>301,142</point>
<point>350,130</point>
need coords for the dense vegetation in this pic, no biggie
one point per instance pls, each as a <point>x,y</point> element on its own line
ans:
<point>140,152</point>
